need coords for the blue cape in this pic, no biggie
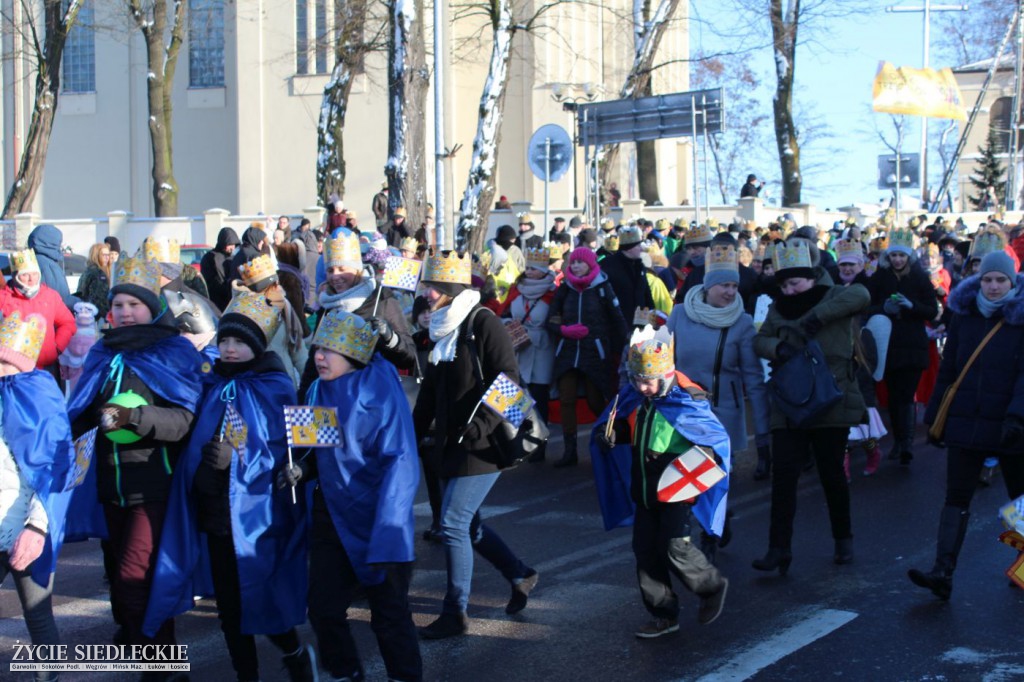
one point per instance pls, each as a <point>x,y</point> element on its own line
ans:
<point>38,434</point>
<point>268,530</point>
<point>171,368</point>
<point>369,482</point>
<point>695,422</point>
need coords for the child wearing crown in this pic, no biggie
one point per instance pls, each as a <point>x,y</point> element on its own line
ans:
<point>224,498</point>
<point>140,386</point>
<point>362,528</point>
<point>36,458</point>
<point>658,415</point>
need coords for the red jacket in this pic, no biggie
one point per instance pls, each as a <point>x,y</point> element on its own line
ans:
<point>47,303</point>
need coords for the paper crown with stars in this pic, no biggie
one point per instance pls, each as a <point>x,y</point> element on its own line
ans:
<point>258,313</point>
<point>162,250</point>
<point>697,235</point>
<point>139,272</point>
<point>24,261</point>
<point>347,334</point>
<point>651,354</point>
<point>849,250</point>
<point>791,256</point>
<point>257,271</point>
<point>343,251</point>
<point>21,339</point>
<point>987,242</point>
<point>448,267</point>
<point>541,257</point>
<point>408,244</point>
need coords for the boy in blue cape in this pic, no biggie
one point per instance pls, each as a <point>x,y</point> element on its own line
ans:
<point>224,502</point>
<point>362,520</point>
<point>668,414</point>
<point>36,458</point>
<point>140,386</point>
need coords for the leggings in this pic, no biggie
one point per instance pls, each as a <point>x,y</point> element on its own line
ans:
<point>568,386</point>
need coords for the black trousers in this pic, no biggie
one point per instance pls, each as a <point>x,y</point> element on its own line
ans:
<point>242,648</point>
<point>964,466</point>
<point>661,545</point>
<point>332,586</point>
<point>541,394</point>
<point>790,452</point>
<point>902,386</point>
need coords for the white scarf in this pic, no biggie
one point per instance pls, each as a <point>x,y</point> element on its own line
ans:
<point>445,323</point>
<point>351,299</point>
<point>708,315</point>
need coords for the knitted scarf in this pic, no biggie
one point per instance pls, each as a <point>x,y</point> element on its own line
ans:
<point>698,310</point>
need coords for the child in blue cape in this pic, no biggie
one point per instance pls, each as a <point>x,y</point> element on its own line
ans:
<point>661,414</point>
<point>224,501</point>
<point>36,458</point>
<point>362,520</point>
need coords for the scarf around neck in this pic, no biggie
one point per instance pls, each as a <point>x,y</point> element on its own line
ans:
<point>988,308</point>
<point>698,310</point>
<point>445,323</point>
<point>24,290</point>
<point>532,289</point>
<point>351,299</point>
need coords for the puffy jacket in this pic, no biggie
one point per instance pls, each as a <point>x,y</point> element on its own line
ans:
<point>47,303</point>
<point>45,240</point>
<point>994,386</point>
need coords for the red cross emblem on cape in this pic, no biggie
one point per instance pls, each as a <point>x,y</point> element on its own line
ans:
<point>688,475</point>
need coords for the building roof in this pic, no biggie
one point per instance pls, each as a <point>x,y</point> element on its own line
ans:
<point>1005,64</point>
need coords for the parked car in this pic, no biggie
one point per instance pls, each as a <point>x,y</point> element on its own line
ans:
<point>192,254</point>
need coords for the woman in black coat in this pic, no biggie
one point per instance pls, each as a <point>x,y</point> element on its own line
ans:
<point>462,332</point>
<point>986,416</point>
<point>901,290</point>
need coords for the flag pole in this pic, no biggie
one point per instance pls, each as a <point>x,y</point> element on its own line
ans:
<point>291,463</point>
<point>380,288</point>
<point>610,426</point>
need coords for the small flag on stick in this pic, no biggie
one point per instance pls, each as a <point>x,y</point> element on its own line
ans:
<point>309,426</point>
<point>85,448</point>
<point>402,273</point>
<point>236,431</point>
<point>507,399</point>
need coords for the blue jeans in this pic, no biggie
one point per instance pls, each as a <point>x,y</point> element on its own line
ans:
<point>464,531</point>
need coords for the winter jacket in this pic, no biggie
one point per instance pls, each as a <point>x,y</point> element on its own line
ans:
<point>994,386</point>
<point>246,251</point>
<point>45,240</point>
<point>836,307</point>
<point>598,309</point>
<point>94,287</point>
<point>723,362</point>
<point>450,391</point>
<point>537,358</point>
<point>908,344</point>
<point>60,322</point>
<point>216,268</point>
<point>629,281</point>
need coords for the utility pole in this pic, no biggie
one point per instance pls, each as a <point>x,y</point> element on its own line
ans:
<point>927,10</point>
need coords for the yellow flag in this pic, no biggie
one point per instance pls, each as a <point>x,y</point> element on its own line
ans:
<point>917,92</point>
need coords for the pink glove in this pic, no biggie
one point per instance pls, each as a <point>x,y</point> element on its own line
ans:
<point>575,331</point>
<point>27,548</point>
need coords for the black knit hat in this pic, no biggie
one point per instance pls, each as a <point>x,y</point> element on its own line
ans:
<point>245,330</point>
<point>151,300</point>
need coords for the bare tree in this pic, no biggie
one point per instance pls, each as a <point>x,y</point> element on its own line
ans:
<point>46,51</point>
<point>966,37</point>
<point>151,17</point>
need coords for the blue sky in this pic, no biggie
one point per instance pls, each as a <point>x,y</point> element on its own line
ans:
<point>834,72</point>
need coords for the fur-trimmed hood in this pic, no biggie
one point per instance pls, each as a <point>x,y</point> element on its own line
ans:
<point>962,299</point>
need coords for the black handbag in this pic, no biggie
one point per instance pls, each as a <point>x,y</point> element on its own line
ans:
<point>803,388</point>
<point>512,445</point>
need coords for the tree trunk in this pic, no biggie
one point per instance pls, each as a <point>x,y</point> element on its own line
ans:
<point>476,200</point>
<point>416,86</point>
<point>784,29</point>
<point>647,172</point>
<point>349,49</point>
<point>37,140</point>
<point>397,166</point>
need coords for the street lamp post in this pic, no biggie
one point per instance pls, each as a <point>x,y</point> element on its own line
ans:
<point>561,93</point>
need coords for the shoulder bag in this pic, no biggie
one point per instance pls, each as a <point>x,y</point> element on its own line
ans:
<point>938,426</point>
<point>803,388</point>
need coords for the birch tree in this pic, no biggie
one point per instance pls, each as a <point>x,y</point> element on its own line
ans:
<point>46,52</point>
<point>151,18</point>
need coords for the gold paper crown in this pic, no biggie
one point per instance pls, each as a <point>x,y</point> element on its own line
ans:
<point>256,270</point>
<point>24,261</point>
<point>482,265</point>
<point>699,234</point>
<point>611,243</point>
<point>343,250</point>
<point>162,250</point>
<point>542,256</point>
<point>721,257</point>
<point>524,218</point>
<point>607,225</point>
<point>796,254</point>
<point>914,222</point>
<point>712,223</point>
<point>449,267</point>
<point>255,307</point>
<point>879,243</point>
<point>24,337</point>
<point>651,355</point>
<point>846,247</point>
<point>902,237</point>
<point>663,225</point>
<point>681,222</point>
<point>630,234</point>
<point>138,271</point>
<point>399,211</point>
<point>346,334</point>
<point>408,244</point>
<point>987,242</point>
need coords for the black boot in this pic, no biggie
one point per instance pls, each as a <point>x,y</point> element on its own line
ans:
<point>844,551</point>
<point>775,559</point>
<point>569,456</point>
<point>764,463</point>
<point>909,423</point>
<point>952,529</point>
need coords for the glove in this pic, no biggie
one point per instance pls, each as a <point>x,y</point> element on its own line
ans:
<point>217,455</point>
<point>1013,432</point>
<point>891,307</point>
<point>604,442</point>
<point>27,548</point>
<point>903,301</point>
<point>575,331</point>
<point>811,325</point>
<point>382,328</point>
<point>113,417</point>
<point>784,352</point>
<point>291,475</point>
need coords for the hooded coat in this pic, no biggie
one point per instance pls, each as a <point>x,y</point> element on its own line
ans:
<point>216,268</point>
<point>908,345</point>
<point>45,240</point>
<point>247,250</point>
<point>994,386</point>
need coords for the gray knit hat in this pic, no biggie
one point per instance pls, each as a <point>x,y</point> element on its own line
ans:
<point>998,261</point>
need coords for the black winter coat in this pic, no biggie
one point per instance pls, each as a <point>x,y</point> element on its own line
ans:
<point>598,308</point>
<point>215,268</point>
<point>628,278</point>
<point>994,386</point>
<point>908,344</point>
<point>450,391</point>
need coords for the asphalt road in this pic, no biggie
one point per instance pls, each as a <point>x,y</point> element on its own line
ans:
<point>864,621</point>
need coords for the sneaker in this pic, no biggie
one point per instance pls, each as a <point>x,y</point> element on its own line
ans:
<point>520,592</point>
<point>711,605</point>
<point>657,628</point>
<point>446,625</point>
<point>301,666</point>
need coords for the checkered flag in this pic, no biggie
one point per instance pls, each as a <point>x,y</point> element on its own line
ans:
<point>1012,515</point>
<point>85,448</point>
<point>402,273</point>
<point>507,399</point>
<point>309,426</point>
<point>235,430</point>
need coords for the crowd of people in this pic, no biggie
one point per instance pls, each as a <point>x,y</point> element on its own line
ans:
<point>157,417</point>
